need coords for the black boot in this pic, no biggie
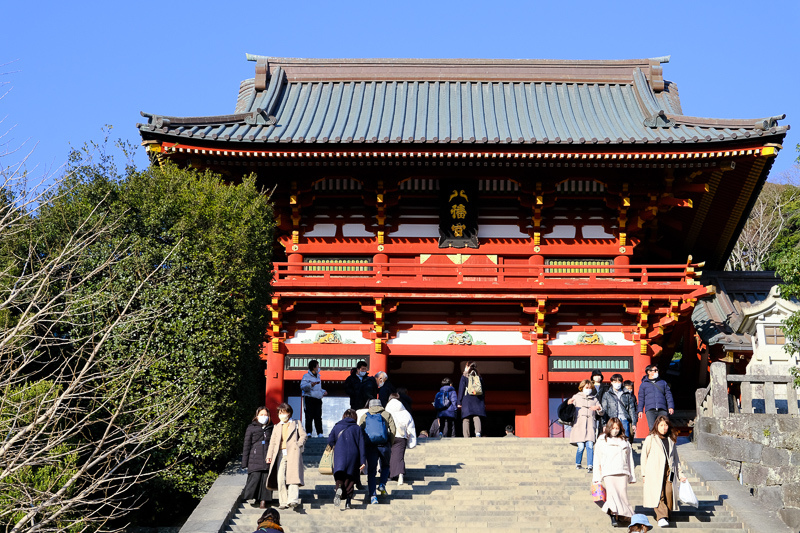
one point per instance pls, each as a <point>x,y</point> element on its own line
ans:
<point>614,522</point>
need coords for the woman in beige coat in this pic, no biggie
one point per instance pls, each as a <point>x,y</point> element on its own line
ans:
<point>613,465</point>
<point>583,430</point>
<point>285,458</point>
<point>660,466</point>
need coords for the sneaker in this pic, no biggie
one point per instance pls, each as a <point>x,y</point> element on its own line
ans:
<point>283,507</point>
<point>614,522</point>
<point>578,466</point>
<point>337,498</point>
<point>382,490</point>
<point>477,434</point>
<point>400,479</point>
<point>374,499</point>
<point>295,505</point>
<point>346,506</point>
<point>589,468</point>
<point>663,523</point>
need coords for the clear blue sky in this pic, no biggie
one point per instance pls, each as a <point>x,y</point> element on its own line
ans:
<point>80,65</point>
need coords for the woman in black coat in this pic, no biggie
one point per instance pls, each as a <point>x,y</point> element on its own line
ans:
<point>254,458</point>
<point>349,455</point>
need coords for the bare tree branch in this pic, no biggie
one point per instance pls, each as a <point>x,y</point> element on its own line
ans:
<point>78,421</point>
<point>768,218</point>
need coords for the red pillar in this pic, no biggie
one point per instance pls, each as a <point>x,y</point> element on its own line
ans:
<point>274,374</point>
<point>378,362</point>
<point>540,396</point>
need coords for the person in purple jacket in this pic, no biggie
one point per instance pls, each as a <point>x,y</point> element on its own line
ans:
<point>655,396</point>
<point>447,416</point>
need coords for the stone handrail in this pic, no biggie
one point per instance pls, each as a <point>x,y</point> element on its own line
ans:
<point>702,398</point>
<point>714,400</point>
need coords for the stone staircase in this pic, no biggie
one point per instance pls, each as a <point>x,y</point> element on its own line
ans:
<point>461,485</point>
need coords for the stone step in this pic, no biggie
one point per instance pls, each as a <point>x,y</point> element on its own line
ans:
<point>525,485</point>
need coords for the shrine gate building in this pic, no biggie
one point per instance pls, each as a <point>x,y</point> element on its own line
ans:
<point>543,218</point>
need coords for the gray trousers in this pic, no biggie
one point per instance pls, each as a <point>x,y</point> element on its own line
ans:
<point>652,414</point>
<point>465,424</point>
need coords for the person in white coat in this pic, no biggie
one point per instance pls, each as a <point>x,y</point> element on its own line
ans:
<point>613,466</point>
<point>312,391</point>
<point>660,466</point>
<point>405,437</point>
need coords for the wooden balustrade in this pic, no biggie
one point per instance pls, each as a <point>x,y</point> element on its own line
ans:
<point>296,273</point>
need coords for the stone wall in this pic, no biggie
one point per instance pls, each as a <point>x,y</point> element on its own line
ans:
<point>763,452</point>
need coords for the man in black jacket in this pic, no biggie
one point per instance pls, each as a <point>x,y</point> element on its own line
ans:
<point>360,386</point>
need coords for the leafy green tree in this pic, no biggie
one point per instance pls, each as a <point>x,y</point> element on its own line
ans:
<point>788,269</point>
<point>139,298</point>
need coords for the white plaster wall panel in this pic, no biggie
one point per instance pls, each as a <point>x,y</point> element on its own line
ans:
<point>355,230</point>
<point>595,232</point>
<point>571,337</point>
<point>418,337</point>
<point>500,338</point>
<point>322,230</point>
<point>495,338</point>
<point>562,232</point>
<point>308,335</point>
<point>416,231</point>
<point>501,231</point>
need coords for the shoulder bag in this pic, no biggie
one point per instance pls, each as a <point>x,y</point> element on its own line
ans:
<point>326,461</point>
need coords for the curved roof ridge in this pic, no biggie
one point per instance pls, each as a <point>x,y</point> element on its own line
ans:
<point>475,69</point>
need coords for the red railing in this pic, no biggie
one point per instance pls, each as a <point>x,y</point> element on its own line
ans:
<point>341,273</point>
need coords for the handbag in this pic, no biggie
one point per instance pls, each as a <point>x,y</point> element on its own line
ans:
<point>686,495</point>
<point>326,462</point>
<point>598,492</point>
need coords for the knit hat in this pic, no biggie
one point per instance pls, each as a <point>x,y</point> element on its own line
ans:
<point>640,519</point>
<point>375,403</point>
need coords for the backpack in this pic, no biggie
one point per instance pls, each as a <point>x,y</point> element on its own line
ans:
<point>375,427</point>
<point>567,414</point>
<point>474,387</point>
<point>442,401</point>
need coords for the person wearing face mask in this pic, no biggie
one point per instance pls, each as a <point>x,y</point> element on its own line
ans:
<point>613,466</point>
<point>312,391</point>
<point>660,467</point>
<point>285,458</point>
<point>254,458</point>
<point>351,387</point>
<point>360,386</point>
<point>600,388</point>
<point>583,430</point>
<point>618,403</point>
<point>628,386</point>
<point>655,396</point>
<point>385,387</point>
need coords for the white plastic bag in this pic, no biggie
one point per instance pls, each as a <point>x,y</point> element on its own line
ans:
<point>686,495</point>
